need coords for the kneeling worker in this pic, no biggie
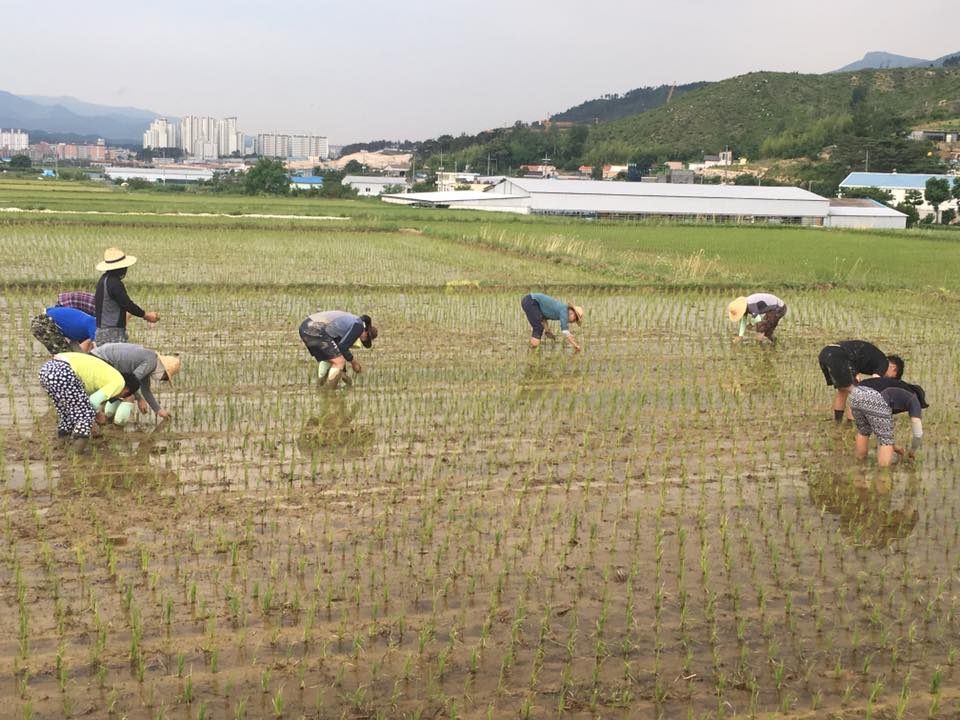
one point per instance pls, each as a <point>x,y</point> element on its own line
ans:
<point>329,335</point>
<point>540,308</point>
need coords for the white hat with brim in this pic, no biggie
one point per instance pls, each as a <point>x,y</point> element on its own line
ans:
<point>578,311</point>
<point>115,259</point>
<point>737,309</point>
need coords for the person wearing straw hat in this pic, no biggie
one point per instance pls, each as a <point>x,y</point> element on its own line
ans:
<point>874,402</point>
<point>112,301</point>
<point>329,335</point>
<point>540,308</point>
<point>79,384</point>
<point>761,311</point>
<point>143,364</point>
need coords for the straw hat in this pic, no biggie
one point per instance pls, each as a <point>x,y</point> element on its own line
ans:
<point>737,309</point>
<point>578,311</point>
<point>171,365</point>
<point>114,259</point>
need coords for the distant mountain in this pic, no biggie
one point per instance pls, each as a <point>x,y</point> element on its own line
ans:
<point>68,115</point>
<point>85,109</point>
<point>633,102</point>
<point>878,60</point>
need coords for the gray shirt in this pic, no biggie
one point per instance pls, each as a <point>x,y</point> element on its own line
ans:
<point>135,360</point>
<point>343,327</point>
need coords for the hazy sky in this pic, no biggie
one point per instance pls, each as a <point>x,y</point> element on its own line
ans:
<point>370,69</point>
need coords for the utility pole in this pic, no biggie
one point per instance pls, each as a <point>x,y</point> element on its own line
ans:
<point>866,162</point>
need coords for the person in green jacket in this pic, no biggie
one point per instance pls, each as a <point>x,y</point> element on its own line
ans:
<point>540,308</point>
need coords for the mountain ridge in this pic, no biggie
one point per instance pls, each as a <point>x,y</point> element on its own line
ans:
<point>883,60</point>
<point>120,125</point>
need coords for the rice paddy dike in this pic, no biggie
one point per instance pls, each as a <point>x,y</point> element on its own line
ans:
<point>667,525</point>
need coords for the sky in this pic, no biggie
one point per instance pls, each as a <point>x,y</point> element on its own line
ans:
<point>372,69</point>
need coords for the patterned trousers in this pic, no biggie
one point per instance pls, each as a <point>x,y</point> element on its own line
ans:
<point>69,397</point>
<point>45,330</point>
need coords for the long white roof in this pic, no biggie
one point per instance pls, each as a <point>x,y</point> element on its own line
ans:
<point>633,198</point>
<point>675,190</point>
<point>862,208</point>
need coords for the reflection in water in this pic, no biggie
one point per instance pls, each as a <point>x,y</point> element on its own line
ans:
<point>876,507</point>
<point>334,427</point>
<point>548,372</point>
<point>118,460</point>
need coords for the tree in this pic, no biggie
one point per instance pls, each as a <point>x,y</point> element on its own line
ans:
<point>353,168</point>
<point>948,216</point>
<point>19,162</point>
<point>914,198</point>
<point>910,210</point>
<point>937,192</point>
<point>873,193</point>
<point>267,177</point>
<point>956,186</point>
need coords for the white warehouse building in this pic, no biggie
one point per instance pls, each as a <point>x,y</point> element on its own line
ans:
<point>371,185</point>
<point>700,203</point>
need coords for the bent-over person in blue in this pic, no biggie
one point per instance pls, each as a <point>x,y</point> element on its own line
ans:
<point>63,329</point>
<point>540,308</point>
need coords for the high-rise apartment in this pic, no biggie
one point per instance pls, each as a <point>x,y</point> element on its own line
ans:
<point>162,134</point>
<point>14,141</point>
<point>207,137</point>
<point>297,147</point>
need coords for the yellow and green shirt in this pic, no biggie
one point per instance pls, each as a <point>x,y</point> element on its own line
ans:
<point>95,374</point>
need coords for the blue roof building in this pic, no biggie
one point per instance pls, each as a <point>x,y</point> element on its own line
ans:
<point>307,182</point>
<point>898,185</point>
<point>890,181</point>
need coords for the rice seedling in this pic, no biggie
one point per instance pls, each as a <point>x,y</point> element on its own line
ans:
<point>483,532</point>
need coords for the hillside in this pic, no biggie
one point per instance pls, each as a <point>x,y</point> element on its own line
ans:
<point>615,107</point>
<point>744,111</point>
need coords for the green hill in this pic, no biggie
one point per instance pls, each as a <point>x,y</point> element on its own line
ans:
<point>806,128</point>
<point>616,106</point>
<point>746,111</point>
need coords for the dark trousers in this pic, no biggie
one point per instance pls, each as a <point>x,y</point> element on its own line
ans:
<point>319,344</point>
<point>534,315</point>
<point>771,319</point>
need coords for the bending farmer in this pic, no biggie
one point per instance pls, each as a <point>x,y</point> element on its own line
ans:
<point>112,301</point>
<point>841,362</point>
<point>79,300</point>
<point>145,365</point>
<point>79,385</point>
<point>63,329</point>
<point>540,308</point>
<point>874,402</point>
<point>329,336</point>
<point>762,311</point>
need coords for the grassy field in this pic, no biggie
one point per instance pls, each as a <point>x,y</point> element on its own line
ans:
<point>667,525</point>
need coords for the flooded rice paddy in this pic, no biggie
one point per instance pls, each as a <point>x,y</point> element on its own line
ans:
<point>665,526</point>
